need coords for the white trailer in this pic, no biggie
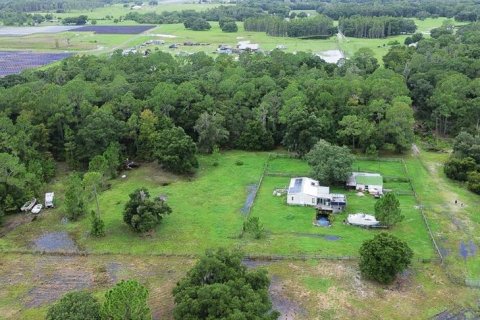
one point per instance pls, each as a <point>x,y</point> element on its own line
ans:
<point>49,200</point>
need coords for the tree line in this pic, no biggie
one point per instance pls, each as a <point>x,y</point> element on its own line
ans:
<point>462,10</point>
<point>318,26</point>
<point>375,27</point>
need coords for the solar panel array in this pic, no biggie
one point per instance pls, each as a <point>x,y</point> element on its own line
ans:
<point>297,186</point>
<point>115,29</point>
<point>12,62</point>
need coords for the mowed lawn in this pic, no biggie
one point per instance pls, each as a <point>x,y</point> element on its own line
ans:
<point>291,229</point>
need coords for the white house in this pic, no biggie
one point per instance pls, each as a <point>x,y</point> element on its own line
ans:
<point>362,181</point>
<point>308,192</point>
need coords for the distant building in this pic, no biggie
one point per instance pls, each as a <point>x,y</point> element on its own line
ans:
<point>308,192</point>
<point>247,46</point>
<point>224,49</point>
<point>363,181</point>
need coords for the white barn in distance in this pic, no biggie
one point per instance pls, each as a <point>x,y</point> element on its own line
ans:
<point>305,191</point>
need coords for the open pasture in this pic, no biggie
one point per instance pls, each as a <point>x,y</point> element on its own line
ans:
<point>207,212</point>
<point>291,228</point>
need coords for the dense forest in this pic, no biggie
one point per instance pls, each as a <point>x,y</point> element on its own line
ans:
<point>375,27</point>
<point>442,74</point>
<point>319,26</point>
<point>165,109</point>
<point>464,10</point>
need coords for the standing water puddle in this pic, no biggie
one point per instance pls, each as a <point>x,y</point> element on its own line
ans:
<point>55,241</point>
<point>252,191</point>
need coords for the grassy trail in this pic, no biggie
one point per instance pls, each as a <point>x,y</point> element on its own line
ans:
<point>451,209</point>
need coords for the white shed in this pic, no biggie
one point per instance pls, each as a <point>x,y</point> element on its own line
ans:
<point>246,45</point>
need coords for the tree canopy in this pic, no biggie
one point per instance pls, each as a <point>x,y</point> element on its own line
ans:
<point>219,286</point>
<point>387,210</point>
<point>330,164</point>
<point>142,213</point>
<point>126,300</point>
<point>383,257</point>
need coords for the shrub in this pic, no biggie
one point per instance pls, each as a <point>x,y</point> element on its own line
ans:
<point>98,226</point>
<point>253,227</point>
<point>473,183</point>
<point>458,169</point>
<point>78,305</point>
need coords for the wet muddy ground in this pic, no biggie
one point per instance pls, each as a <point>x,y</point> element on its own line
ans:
<point>55,242</point>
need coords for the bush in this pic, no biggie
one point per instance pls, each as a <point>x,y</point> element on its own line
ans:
<point>383,257</point>
<point>239,163</point>
<point>458,169</point>
<point>473,182</point>
<point>143,214</point>
<point>98,226</point>
<point>78,305</point>
<point>253,227</point>
<point>197,24</point>
<point>230,27</point>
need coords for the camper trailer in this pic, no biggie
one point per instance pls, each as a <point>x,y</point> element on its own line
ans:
<point>49,199</point>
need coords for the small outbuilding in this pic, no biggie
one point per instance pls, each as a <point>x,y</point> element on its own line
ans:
<point>363,181</point>
<point>247,46</point>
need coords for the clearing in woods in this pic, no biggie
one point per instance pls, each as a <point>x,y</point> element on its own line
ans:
<point>207,212</point>
<point>300,290</point>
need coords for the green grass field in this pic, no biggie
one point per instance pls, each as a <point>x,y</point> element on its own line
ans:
<point>102,44</point>
<point>294,224</point>
<point>207,213</point>
<point>452,224</point>
<point>118,10</point>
